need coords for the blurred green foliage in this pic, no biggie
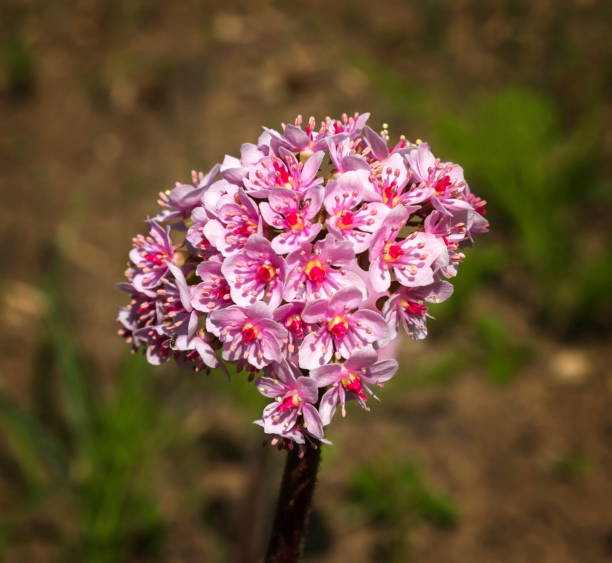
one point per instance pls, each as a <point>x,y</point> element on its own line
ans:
<point>500,352</point>
<point>543,189</point>
<point>97,451</point>
<point>19,67</point>
<point>491,345</point>
<point>395,499</point>
<point>572,464</point>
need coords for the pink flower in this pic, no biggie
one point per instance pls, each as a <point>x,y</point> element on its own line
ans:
<point>234,170</point>
<point>293,408</point>
<point>236,223</point>
<point>183,198</point>
<point>290,316</point>
<point>292,214</point>
<point>390,185</point>
<point>340,328</point>
<point>410,259</point>
<point>219,194</point>
<point>479,225</point>
<point>151,256</point>
<point>173,312</point>
<point>342,154</point>
<point>255,273</point>
<point>452,230</point>
<point>190,345</point>
<point>320,270</point>
<point>140,313</point>
<point>445,179</point>
<point>283,172</point>
<point>198,350</point>
<point>351,380</point>
<point>312,139</point>
<point>249,334</point>
<point>153,323</point>
<point>157,345</point>
<point>348,217</point>
<point>405,309</point>
<point>214,291</point>
<point>195,233</point>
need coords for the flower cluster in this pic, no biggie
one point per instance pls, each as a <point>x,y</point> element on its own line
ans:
<point>301,259</point>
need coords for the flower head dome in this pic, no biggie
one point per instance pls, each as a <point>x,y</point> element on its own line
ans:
<point>297,262</point>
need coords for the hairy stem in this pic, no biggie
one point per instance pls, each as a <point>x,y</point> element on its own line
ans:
<point>293,508</point>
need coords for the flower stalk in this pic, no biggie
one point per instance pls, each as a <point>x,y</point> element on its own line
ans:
<point>294,504</point>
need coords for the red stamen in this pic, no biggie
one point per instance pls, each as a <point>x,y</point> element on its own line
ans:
<point>353,383</point>
<point>156,258</point>
<point>315,271</point>
<point>414,308</point>
<point>294,220</point>
<point>245,229</point>
<point>295,325</point>
<point>390,194</point>
<point>442,184</point>
<point>290,403</point>
<point>392,252</point>
<point>249,332</point>
<point>346,220</point>
<point>265,273</point>
<point>338,327</point>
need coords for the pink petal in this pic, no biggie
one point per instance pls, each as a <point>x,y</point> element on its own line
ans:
<point>311,167</point>
<point>382,371</point>
<point>326,375</point>
<point>413,277</point>
<point>372,326</point>
<point>312,421</point>
<point>328,405</point>
<point>270,216</point>
<point>316,311</point>
<point>421,161</point>
<point>296,136</point>
<point>376,142</point>
<point>273,328</point>
<point>270,387</point>
<point>315,350</point>
<point>346,299</point>
<point>362,359</point>
<point>206,353</point>
<point>307,388</point>
<point>380,278</point>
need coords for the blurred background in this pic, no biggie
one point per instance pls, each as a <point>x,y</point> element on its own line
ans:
<point>493,443</point>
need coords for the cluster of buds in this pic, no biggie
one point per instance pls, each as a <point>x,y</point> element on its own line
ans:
<point>298,262</point>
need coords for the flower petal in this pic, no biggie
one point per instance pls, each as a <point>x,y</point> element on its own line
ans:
<point>270,387</point>
<point>316,350</point>
<point>312,421</point>
<point>329,403</point>
<point>307,389</point>
<point>328,374</point>
<point>382,371</point>
<point>371,325</point>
